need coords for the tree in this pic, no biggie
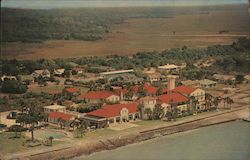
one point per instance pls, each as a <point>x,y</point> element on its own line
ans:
<point>81,126</point>
<point>209,100</point>
<point>149,113</point>
<point>50,140</point>
<point>57,82</point>
<point>141,90</point>
<point>194,102</point>
<point>17,129</point>
<point>158,112</point>
<point>61,122</point>
<point>41,81</point>
<point>230,102</point>
<point>175,112</point>
<point>239,78</point>
<point>141,109</point>
<point>169,115</point>
<point>13,86</point>
<point>32,117</point>
<point>217,101</point>
<point>129,94</point>
<point>227,101</point>
<point>159,91</point>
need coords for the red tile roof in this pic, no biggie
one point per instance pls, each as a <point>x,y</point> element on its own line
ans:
<point>97,95</point>
<point>184,89</point>
<point>62,115</point>
<point>72,90</point>
<point>172,98</point>
<point>109,111</point>
<point>150,89</point>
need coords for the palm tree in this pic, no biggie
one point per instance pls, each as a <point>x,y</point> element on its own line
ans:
<point>209,100</point>
<point>174,111</point>
<point>217,101</point>
<point>50,140</point>
<point>227,101</point>
<point>194,102</point>
<point>81,126</point>
<point>158,112</point>
<point>74,123</point>
<point>141,109</point>
<point>61,122</point>
<point>230,102</point>
<point>148,112</point>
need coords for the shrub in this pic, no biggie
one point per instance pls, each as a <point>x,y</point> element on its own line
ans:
<point>13,86</point>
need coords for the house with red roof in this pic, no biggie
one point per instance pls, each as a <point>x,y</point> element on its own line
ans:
<point>174,99</point>
<point>100,97</point>
<point>60,117</point>
<point>196,94</point>
<point>112,114</point>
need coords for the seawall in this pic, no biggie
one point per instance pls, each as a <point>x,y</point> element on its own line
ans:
<point>108,144</point>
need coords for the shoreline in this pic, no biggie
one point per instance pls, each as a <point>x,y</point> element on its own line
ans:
<point>116,142</point>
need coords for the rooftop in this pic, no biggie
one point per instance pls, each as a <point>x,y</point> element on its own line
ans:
<point>109,111</point>
<point>97,95</point>
<point>150,89</point>
<point>169,66</point>
<point>54,107</point>
<point>207,82</point>
<point>42,71</point>
<point>117,72</point>
<point>59,71</point>
<point>61,115</point>
<point>72,89</point>
<point>172,98</point>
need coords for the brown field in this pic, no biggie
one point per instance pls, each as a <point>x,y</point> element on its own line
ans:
<point>143,35</point>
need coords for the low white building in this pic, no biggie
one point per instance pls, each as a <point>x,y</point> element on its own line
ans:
<point>206,83</point>
<point>105,74</point>
<point>59,72</point>
<point>3,78</point>
<point>169,68</point>
<point>42,72</point>
<point>55,108</point>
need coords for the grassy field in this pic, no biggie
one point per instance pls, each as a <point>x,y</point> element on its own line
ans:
<point>52,88</point>
<point>145,34</point>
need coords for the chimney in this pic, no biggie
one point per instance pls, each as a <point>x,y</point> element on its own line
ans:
<point>121,95</point>
<point>171,81</point>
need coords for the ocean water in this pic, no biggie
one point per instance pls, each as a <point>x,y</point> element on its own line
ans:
<point>49,4</point>
<point>229,141</point>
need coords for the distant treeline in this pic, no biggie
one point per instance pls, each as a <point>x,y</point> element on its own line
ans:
<point>228,58</point>
<point>88,24</point>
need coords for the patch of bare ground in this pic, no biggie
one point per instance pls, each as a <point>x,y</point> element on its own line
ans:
<point>148,34</point>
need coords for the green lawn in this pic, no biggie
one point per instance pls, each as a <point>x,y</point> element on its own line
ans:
<point>26,77</point>
<point>9,144</point>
